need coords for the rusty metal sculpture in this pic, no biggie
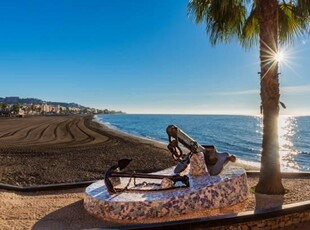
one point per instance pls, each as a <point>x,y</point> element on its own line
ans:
<point>215,161</point>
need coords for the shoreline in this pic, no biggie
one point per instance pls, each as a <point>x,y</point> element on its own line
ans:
<point>128,134</point>
<point>247,165</point>
<point>120,133</point>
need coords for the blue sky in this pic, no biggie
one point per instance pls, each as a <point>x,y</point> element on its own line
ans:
<point>139,56</point>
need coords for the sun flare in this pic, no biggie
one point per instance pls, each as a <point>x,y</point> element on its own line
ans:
<point>280,56</point>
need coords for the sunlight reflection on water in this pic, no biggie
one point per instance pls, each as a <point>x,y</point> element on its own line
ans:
<point>287,128</point>
<point>288,132</point>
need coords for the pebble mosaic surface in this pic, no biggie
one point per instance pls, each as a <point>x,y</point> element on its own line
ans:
<point>205,193</point>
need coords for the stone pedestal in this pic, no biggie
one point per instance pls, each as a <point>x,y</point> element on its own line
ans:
<point>204,193</point>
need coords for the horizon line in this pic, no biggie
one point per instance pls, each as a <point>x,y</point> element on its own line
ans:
<point>215,114</point>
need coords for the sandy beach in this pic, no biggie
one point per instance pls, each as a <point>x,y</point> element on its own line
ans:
<point>59,149</point>
<point>46,150</point>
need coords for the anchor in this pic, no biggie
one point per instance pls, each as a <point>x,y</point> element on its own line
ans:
<point>215,161</point>
<point>114,172</point>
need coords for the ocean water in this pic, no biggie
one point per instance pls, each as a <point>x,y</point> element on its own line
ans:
<point>238,135</point>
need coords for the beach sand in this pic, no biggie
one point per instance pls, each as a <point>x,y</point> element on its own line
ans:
<point>59,149</point>
<point>44,150</point>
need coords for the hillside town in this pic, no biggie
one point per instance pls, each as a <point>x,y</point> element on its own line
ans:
<point>20,108</point>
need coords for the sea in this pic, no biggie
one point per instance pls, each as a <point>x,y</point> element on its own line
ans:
<point>237,134</point>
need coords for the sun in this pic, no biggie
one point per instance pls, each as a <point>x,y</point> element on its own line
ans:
<point>279,56</point>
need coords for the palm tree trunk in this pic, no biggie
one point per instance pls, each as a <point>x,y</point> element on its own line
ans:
<point>270,181</point>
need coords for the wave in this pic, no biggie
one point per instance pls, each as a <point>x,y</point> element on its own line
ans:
<point>105,123</point>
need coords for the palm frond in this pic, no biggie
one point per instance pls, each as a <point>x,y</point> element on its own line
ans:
<point>224,19</point>
<point>199,9</point>
<point>291,22</point>
<point>250,32</point>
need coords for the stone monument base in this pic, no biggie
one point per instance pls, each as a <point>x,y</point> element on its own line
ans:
<point>206,194</point>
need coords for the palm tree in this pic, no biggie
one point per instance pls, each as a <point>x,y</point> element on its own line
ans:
<point>269,23</point>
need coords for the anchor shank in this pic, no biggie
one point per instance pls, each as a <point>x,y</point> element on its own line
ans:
<point>148,176</point>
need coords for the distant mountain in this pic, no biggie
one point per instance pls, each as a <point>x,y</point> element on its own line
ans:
<point>64,104</point>
<point>14,100</point>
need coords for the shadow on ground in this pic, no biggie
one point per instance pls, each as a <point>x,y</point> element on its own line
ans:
<point>73,216</point>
